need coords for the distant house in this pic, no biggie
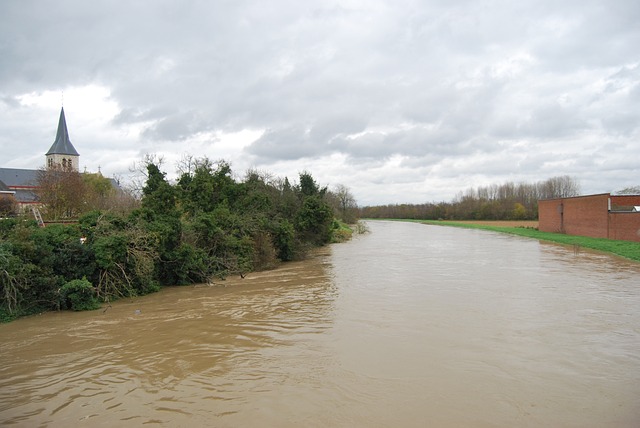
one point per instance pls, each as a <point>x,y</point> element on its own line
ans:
<point>599,216</point>
<point>5,192</point>
<point>22,182</point>
<point>7,200</point>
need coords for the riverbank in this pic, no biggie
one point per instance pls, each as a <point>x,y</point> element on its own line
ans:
<point>627,249</point>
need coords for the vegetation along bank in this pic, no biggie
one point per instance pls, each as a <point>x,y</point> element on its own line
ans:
<point>204,227</point>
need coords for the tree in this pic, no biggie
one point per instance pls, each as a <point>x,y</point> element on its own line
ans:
<point>158,195</point>
<point>559,187</point>
<point>208,186</point>
<point>633,190</point>
<point>519,212</point>
<point>314,220</point>
<point>344,204</point>
<point>99,192</point>
<point>160,218</point>
<point>8,206</point>
<point>140,172</point>
<point>61,191</point>
<point>308,186</point>
<point>207,225</point>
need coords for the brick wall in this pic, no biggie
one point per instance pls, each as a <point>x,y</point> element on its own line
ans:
<point>624,226</point>
<point>590,216</point>
<point>624,201</point>
<point>581,215</point>
<point>549,218</point>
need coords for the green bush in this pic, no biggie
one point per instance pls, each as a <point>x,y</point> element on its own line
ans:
<point>78,295</point>
<point>341,232</point>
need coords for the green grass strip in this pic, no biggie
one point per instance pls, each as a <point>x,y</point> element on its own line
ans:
<point>627,249</point>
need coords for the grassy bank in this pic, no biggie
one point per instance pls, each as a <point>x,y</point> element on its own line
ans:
<point>627,249</point>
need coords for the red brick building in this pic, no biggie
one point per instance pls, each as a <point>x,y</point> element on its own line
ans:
<point>599,216</point>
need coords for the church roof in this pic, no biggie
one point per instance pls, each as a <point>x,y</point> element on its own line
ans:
<point>62,145</point>
<point>14,177</point>
<point>25,196</point>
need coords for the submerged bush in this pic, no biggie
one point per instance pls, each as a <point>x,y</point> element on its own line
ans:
<point>79,295</point>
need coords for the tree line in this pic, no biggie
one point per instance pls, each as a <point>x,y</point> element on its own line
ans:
<point>201,228</point>
<point>507,201</point>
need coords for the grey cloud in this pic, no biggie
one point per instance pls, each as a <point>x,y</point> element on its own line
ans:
<point>285,144</point>
<point>436,83</point>
<point>553,121</point>
<point>179,126</point>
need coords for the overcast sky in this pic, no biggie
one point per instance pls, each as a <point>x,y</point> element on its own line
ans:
<point>401,101</point>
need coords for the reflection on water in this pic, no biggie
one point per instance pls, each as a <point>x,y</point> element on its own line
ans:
<point>411,325</point>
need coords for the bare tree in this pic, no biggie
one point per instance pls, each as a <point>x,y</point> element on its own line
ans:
<point>345,203</point>
<point>633,190</point>
<point>186,165</point>
<point>559,187</point>
<point>139,172</point>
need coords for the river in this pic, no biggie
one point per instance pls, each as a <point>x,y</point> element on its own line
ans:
<point>407,326</point>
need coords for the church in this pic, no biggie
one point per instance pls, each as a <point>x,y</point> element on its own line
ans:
<point>20,184</point>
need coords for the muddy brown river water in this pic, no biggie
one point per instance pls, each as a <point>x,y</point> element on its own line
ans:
<point>408,326</point>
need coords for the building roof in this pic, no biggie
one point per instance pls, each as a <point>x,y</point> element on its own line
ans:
<point>13,177</point>
<point>21,182</point>
<point>26,196</point>
<point>62,145</point>
<point>25,181</point>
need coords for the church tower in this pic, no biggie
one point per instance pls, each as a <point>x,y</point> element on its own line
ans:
<point>62,153</point>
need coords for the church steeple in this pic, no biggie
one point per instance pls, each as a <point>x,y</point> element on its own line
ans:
<point>62,153</point>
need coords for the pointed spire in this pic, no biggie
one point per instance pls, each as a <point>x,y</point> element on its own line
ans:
<point>62,145</point>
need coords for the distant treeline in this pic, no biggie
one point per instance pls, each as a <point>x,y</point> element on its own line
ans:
<point>204,227</point>
<point>508,201</point>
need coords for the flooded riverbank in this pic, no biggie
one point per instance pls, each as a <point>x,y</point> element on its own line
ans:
<point>411,325</point>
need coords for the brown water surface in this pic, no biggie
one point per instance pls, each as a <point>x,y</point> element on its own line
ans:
<point>411,326</point>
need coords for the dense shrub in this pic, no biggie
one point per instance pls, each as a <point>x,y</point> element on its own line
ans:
<point>207,225</point>
<point>79,295</point>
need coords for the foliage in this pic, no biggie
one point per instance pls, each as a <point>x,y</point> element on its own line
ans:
<point>159,196</point>
<point>207,225</point>
<point>343,204</point>
<point>314,220</point>
<point>14,278</point>
<point>61,192</point>
<point>99,193</point>
<point>341,232</point>
<point>78,295</point>
<point>361,228</point>
<point>507,201</point>
<point>8,206</point>
<point>519,212</point>
<point>284,240</point>
<point>67,194</point>
<point>309,187</point>
<point>125,256</point>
